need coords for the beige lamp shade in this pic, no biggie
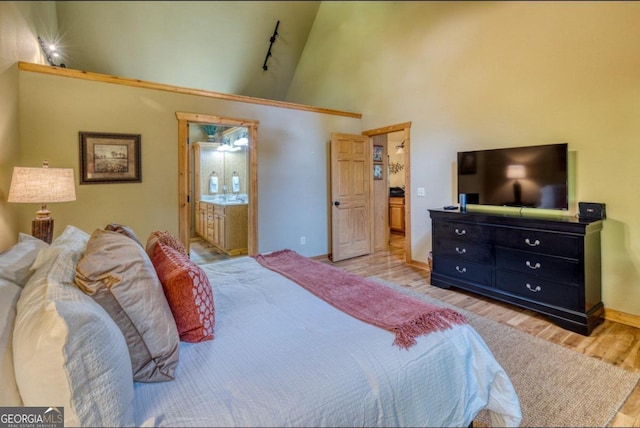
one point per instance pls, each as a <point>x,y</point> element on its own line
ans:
<point>42,185</point>
<point>516,171</point>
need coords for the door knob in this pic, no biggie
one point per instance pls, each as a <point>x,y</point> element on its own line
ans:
<point>336,203</point>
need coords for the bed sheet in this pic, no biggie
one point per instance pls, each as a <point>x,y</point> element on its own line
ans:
<point>283,357</point>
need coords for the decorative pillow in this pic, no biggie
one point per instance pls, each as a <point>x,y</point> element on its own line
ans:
<point>9,293</point>
<point>68,352</point>
<point>125,230</point>
<point>118,274</point>
<point>167,239</point>
<point>15,263</point>
<point>188,292</point>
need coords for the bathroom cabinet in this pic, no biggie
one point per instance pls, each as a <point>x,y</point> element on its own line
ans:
<point>223,225</point>
<point>396,214</point>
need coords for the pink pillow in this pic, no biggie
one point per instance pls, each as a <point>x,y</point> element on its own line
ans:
<point>167,239</point>
<point>188,293</point>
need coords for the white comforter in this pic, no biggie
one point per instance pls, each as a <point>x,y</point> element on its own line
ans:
<point>283,357</point>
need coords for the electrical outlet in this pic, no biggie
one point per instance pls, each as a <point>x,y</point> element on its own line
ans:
<point>303,240</point>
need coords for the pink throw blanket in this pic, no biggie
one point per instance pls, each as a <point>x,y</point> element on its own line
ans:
<point>362,298</point>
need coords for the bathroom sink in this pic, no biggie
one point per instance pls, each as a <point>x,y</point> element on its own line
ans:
<point>229,202</point>
<point>219,200</point>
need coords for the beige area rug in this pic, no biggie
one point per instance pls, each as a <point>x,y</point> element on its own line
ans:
<point>557,387</point>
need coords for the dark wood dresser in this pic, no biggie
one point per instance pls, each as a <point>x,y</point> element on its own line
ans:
<point>549,265</point>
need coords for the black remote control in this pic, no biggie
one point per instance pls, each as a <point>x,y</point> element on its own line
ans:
<point>451,207</point>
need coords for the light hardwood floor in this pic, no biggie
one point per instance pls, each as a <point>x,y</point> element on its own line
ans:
<point>612,342</point>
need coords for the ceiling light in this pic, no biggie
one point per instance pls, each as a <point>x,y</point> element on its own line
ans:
<point>50,51</point>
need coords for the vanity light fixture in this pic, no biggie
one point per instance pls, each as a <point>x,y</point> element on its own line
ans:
<point>226,147</point>
<point>242,141</point>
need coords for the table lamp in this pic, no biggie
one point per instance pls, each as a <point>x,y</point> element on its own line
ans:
<point>515,172</point>
<point>42,185</point>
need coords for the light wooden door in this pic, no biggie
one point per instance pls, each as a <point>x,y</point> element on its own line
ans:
<point>351,175</point>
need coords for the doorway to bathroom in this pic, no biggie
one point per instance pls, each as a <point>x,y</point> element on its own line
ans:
<point>218,196</point>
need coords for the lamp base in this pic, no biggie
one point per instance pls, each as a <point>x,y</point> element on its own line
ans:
<point>42,229</point>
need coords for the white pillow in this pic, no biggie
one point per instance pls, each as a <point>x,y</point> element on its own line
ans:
<point>9,394</point>
<point>68,352</point>
<point>71,239</point>
<point>17,260</point>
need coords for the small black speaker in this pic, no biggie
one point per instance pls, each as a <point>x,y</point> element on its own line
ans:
<point>592,210</point>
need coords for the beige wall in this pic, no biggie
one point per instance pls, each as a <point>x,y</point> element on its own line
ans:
<point>292,156</point>
<point>467,74</point>
<point>20,24</point>
<point>472,75</point>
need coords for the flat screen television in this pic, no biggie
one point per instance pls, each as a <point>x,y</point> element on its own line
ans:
<point>530,176</point>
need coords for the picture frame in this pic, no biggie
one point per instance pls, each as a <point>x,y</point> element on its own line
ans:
<point>377,172</point>
<point>467,163</point>
<point>377,153</point>
<point>110,158</point>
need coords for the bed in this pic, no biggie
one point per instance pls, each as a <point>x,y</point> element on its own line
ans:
<point>279,356</point>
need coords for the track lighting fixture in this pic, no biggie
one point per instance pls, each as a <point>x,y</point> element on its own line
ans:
<point>272,39</point>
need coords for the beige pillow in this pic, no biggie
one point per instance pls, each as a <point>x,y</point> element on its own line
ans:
<point>119,275</point>
<point>123,229</point>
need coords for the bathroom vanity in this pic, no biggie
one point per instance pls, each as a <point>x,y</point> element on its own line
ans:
<point>221,201</point>
<point>224,225</point>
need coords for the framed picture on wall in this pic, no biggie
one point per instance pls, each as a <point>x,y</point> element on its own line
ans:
<point>109,158</point>
<point>377,153</point>
<point>467,163</point>
<point>377,172</point>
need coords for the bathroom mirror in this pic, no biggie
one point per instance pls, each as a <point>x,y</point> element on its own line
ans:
<point>221,163</point>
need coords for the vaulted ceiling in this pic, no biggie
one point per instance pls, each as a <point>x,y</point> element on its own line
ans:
<point>215,45</point>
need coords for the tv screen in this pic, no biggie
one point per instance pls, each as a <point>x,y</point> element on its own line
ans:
<point>530,176</point>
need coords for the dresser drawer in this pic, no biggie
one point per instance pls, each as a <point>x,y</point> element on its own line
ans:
<point>553,293</point>
<point>462,231</point>
<point>463,270</point>
<point>549,267</point>
<point>539,242</point>
<point>464,250</point>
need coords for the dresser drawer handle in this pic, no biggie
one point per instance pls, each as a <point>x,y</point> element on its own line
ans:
<point>459,251</point>
<point>530,266</point>
<point>535,290</point>
<point>532,244</point>
<point>461,232</point>
<point>461,270</point>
